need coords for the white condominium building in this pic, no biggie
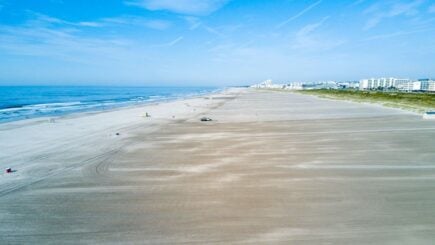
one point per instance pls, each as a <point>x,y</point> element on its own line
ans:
<point>390,82</point>
<point>420,85</point>
<point>403,83</point>
<point>378,82</point>
<point>427,84</point>
<point>409,86</point>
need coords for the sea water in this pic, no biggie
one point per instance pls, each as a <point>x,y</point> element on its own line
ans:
<point>23,102</point>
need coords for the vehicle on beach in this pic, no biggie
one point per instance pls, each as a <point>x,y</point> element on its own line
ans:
<point>206,119</point>
<point>429,115</point>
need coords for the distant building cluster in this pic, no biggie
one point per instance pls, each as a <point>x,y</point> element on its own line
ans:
<point>397,83</point>
<point>408,85</point>
<point>306,85</point>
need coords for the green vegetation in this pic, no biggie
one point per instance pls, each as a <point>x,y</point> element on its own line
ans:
<point>418,102</point>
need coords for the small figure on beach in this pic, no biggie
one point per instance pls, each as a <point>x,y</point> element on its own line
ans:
<point>9,170</point>
<point>147,115</point>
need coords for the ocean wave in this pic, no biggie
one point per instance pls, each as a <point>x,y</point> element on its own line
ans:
<point>87,101</point>
<point>12,106</point>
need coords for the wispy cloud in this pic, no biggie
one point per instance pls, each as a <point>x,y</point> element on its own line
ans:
<point>54,38</point>
<point>45,20</point>
<point>299,14</point>
<point>191,7</point>
<point>62,44</point>
<point>213,30</point>
<point>385,10</point>
<point>306,40</point>
<point>304,31</point>
<point>89,24</point>
<point>129,20</point>
<point>170,43</point>
<point>175,41</point>
<point>195,23</point>
<point>396,34</point>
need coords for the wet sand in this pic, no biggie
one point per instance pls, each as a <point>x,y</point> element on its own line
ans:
<point>272,168</point>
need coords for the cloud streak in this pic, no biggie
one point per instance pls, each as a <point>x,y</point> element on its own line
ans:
<point>136,21</point>
<point>47,37</point>
<point>59,44</point>
<point>175,41</point>
<point>304,31</point>
<point>190,7</point>
<point>396,34</point>
<point>307,41</point>
<point>121,21</point>
<point>282,24</point>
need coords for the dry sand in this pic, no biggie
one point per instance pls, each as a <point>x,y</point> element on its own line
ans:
<point>273,168</point>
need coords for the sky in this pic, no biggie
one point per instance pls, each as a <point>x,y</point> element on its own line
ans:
<point>213,42</point>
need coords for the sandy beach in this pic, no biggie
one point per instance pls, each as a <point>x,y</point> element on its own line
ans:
<point>271,168</point>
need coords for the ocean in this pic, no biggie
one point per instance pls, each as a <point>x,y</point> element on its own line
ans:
<point>24,102</point>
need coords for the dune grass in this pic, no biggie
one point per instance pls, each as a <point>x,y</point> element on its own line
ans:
<point>418,102</point>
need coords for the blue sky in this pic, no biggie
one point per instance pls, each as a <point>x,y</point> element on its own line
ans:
<point>213,42</point>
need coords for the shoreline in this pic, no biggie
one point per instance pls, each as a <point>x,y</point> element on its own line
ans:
<point>36,137</point>
<point>102,107</point>
<point>45,118</point>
